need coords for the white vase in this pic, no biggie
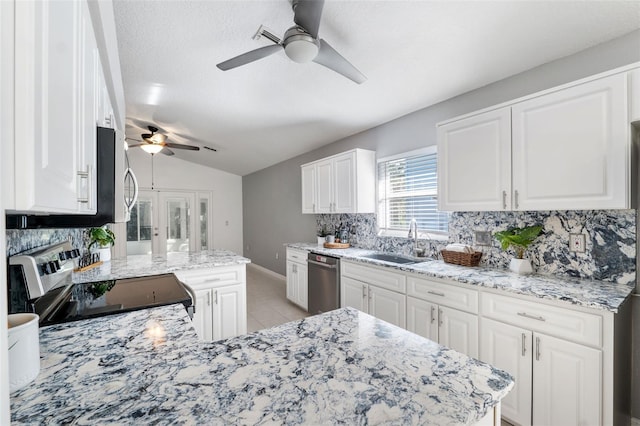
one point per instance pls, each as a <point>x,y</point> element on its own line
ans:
<point>321,241</point>
<point>520,266</point>
<point>105,253</point>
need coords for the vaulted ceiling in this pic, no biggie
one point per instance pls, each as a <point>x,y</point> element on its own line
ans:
<point>414,53</point>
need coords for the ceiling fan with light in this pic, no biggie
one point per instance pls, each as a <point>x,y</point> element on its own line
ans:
<point>300,43</point>
<point>155,142</point>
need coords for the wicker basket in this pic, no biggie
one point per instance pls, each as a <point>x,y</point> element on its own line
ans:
<point>464,259</point>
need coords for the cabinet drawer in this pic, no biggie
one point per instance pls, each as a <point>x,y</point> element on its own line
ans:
<point>210,277</point>
<point>443,294</point>
<point>372,275</point>
<point>295,255</point>
<point>564,323</point>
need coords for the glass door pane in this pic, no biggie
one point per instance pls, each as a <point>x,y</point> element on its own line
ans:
<point>176,222</point>
<point>140,226</point>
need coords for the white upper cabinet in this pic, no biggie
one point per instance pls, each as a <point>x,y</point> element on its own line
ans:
<point>568,149</point>
<point>571,148</point>
<point>474,162</point>
<point>343,183</point>
<point>59,101</point>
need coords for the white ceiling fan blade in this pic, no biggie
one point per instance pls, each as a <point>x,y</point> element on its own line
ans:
<point>328,57</point>
<point>167,151</point>
<point>250,56</point>
<point>307,14</point>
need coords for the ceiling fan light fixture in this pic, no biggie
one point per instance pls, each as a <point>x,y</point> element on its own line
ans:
<point>152,148</point>
<point>299,46</point>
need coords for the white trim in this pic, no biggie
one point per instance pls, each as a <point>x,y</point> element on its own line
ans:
<point>509,103</point>
<point>431,149</point>
<point>267,271</point>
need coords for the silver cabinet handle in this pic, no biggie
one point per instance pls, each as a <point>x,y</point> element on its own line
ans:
<point>436,293</point>
<point>535,317</point>
<point>314,207</point>
<point>216,295</point>
<point>516,197</point>
<point>364,291</point>
<point>504,200</point>
<point>295,268</point>
<point>524,344</point>
<point>440,316</point>
<point>208,298</point>
<point>537,349</point>
<point>433,314</point>
<point>87,177</point>
<point>324,265</point>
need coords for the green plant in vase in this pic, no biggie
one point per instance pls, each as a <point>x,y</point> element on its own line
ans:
<point>103,238</point>
<point>520,239</point>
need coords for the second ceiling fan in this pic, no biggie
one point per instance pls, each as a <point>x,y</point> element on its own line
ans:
<point>155,142</point>
<point>301,44</point>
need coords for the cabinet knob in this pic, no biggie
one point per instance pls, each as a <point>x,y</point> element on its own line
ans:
<point>504,200</point>
<point>524,344</point>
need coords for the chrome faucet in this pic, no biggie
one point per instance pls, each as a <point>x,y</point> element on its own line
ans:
<point>413,233</point>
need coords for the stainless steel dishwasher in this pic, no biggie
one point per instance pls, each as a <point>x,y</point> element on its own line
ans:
<point>323,283</point>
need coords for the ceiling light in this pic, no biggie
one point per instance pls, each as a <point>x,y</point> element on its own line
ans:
<point>301,50</point>
<point>152,148</point>
<point>156,138</point>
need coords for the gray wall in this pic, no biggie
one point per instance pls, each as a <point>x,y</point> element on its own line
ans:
<point>272,198</point>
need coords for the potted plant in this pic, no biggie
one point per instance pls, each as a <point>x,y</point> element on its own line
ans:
<point>103,238</point>
<point>519,239</point>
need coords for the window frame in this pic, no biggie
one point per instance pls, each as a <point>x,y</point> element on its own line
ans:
<point>422,233</point>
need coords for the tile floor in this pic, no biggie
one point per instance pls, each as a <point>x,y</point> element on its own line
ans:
<point>267,304</point>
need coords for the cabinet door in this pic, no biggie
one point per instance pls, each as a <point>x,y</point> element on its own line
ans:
<point>46,105</point>
<point>324,186</point>
<point>566,383</point>
<point>571,148</point>
<point>474,163</point>
<point>229,311</point>
<point>202,317</point>
<point>510,349</point>
<point>422,318</point>
<point>88,101</point>
<point>292,282</point>
<point>458,330</point>
<point>388,306</point>
<point>353,293</point>
<point>345,183</point>
<point>308,189</point>
<point>302,283</point>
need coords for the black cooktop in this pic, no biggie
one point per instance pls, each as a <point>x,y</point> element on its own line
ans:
<point>100,298</point>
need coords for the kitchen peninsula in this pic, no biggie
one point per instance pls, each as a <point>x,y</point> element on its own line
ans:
<point>343,366</point>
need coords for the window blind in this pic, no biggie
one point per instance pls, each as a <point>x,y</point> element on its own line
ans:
<point>408,189</point>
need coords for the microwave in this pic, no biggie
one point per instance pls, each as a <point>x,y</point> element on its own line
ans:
<point>117,191</point>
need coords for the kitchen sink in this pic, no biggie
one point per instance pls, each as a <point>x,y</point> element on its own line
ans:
<point>391,258</point>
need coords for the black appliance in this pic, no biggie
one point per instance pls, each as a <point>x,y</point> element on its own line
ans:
<point>111,204</point>
<point>40,282</point>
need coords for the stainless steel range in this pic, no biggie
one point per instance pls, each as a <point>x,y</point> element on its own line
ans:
<point>40,281</point>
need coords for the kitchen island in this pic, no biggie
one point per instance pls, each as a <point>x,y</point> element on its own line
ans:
<point>339,367</point>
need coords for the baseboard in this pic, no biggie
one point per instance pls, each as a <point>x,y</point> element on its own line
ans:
<point>635,421</point>
<point>267,271</point>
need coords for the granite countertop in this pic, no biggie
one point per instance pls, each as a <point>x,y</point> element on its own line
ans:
<point>344,366</point>
<point>145,265</point>
<point>591,294</point>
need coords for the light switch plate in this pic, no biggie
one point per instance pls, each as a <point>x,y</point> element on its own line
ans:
<point>577,243</point>
<point>483,238</point>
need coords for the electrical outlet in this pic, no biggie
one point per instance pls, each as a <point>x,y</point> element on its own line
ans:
<point>277,255</point>
<point>577,243</point>
<point>483,238</point>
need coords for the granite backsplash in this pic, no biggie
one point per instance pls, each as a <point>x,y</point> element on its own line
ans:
<point>610,235</point>
<point>19,240</point>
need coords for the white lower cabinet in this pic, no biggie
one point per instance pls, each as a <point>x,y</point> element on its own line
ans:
<point>450,327</point>
<point>220,301</point>
<point>297,278</point>
<point>384,304</point>
<point>558,382</point>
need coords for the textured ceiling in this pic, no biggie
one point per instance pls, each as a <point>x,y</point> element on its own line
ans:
<point>414,53</point>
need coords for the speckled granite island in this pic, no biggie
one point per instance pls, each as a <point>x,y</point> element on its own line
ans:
<point>145,265</point>
<point>147,367</point>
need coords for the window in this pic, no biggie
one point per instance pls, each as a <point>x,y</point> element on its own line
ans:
<point>408,189</point>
